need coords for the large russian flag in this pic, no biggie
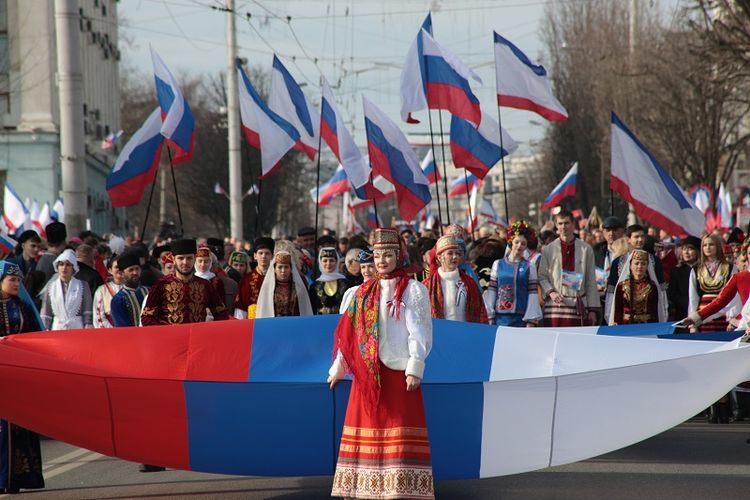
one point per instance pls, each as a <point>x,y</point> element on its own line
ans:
<point>639,178</point>
<point>478,149</point>
<point>335,186</point>
<point>392,157</point>
<point>413,78</point>
<point>288,101</point>
<point>522,84</point>
<point>566,187</point>
<point>459,186</point>
<point>137,164</point>
<point>263,129</point>
<point>447,81</point>
<point>178,123</point>
<point>338,138</point>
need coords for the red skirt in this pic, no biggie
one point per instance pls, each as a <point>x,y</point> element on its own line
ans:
<point>718,324</point>
<point>563,315</point>
<point>385,453</point>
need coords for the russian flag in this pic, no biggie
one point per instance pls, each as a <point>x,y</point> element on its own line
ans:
<point>639,178</point>
<point>15,213</point>
<point>521,84</point>
<point>429,167</point>
<point>724,208</point>
<point>477,149</point>
<point>340,141</point>
<point>458,186</point>
<point>392,157</point>
<point>288,101</point>
<point>373,221</point>
<point>137,164</point>
<point>263,129</point>
<point>178,123</point>
<point>413,77</point>
<point>335,186</point>
<point>566,187</point>
<point>58,211</point>
<point>7,244</point>
<point>447,84</point>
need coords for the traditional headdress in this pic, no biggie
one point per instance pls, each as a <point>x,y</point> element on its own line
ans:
<point>386,239</point>
<point>520,228</point>
<point>183,247</point>
<point>128,259</point>
<point>67,256</point>
<point>745,246</point>
<point>445,243</point>
<point>329,252</point>
<point>365,257</point>
<point>238,256</point>
<point>639,255</point>
<point>11,269</point>
<point>203,251</point>
<point>166,257</point>
<point>455,230</point>
<point>263,242</point>
<point>283,257</point>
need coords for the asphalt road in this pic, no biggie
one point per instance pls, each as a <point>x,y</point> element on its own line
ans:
<point>694,460</point>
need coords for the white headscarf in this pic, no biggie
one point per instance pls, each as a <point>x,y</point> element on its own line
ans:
<point>335,275</point>
<point>661,307</point>
<point>264,307</point>
<point>67,255</point>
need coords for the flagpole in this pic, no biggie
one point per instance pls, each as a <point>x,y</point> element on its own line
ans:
<point>502,161</point>
<point>257,205</point>
<point>148,207</point>
<point>317,181</point>
<point>437,182</point>
<point>445,171</point>
<point>176,195</point>
<point>375,205</point>
<point>468,197</point>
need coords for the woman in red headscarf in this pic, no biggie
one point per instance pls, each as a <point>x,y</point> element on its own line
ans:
<point>383,339</point>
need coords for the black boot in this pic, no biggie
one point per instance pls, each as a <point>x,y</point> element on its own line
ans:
<point>151,468</point>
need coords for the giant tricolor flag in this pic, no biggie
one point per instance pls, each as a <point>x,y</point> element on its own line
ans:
<point>333,187</point>
<point>137,164</point>
<point>478,149</point>
<point>338,138</point>
<point>639,178</point>
<point>178,123</point>
<point>566,187</point>
<point>288,101</point>
<point>15,212</point>
<point>263,129</point>
<point>522,84</point>
<point>392,156</point>
<point>447,81</point>
<point>462,185</point>
<point>413,77</point>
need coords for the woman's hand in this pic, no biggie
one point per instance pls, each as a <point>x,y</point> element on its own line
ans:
<point>332,381</point>
<point>412,382</point>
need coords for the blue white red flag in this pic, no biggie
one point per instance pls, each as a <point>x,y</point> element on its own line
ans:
<point>44,219</point>
<point>338,138</point>
<point>263,129</point>
<point>137,164</point>
<point>15,212</point>
<point>413,78</point>
<point>429,167</point>
<point>639,178</point>
<point>447,81</point>
<point>478,149</point>
<point>333,187</point>
<point>392,156</point>
<point>218,189</point>
<point>178,123</point>
<point>58,211</point>
<point>349,216</point>
<point>288,101</point>
<point>111,140</point>
<point>521,84</point>
<point>724,208</point>
<point>566,187</point>
<point>460,186</point>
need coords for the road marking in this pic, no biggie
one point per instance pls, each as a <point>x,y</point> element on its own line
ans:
<point>88,456</point>
<point>64,458</point>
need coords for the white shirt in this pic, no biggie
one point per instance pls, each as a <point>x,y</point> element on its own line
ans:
<point>405,342</point>
<point>454,295</point>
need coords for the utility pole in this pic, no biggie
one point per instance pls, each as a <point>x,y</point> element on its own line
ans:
<point>235,159</point>
<point>70,88</point>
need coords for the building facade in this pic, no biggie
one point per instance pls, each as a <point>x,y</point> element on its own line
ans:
<point>29,104</point>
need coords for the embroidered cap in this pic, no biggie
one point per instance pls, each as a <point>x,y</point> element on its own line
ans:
<point>283,257</point>
<point>328,252</point>
<point>203,251</point>
<point>639,255</point>
<point>447,242</point>
<point>11,269</point>
<point>455,230</point>
<point>239,257</point>
<point>365,257</point>
<point>386,239</point>
<point>166,257</point>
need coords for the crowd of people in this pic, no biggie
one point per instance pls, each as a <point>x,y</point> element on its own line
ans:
<point>520,277</point>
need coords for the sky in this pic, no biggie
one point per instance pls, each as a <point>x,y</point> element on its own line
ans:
<point>358,45</point>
